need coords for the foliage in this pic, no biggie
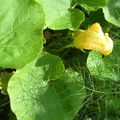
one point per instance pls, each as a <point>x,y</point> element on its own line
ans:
<point>43,77</point>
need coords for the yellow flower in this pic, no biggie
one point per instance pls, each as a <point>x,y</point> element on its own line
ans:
<point>93,39</point>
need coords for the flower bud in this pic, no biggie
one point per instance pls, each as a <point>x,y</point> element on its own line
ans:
<point>93,39</point>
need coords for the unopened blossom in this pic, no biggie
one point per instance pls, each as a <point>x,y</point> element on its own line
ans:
<point>93,39</point>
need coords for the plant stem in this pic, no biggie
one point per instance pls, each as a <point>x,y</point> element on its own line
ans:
<point>65,47</point>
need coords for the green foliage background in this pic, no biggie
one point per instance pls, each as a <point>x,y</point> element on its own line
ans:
<point>39,78</point>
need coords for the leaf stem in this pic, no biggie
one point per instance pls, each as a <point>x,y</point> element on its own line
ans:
<point>65,47</point>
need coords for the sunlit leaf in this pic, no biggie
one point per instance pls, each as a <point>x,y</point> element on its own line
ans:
<point>91,5</point>
<point>21,23</point>
<point>59,15</point>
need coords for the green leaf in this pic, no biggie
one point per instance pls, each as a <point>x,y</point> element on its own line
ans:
<point>108,66</point>
<point>112,12</point>
<point>34,96</point>
<point>59,15</point>
<point>21,24</point>
<point>92,4</point>
<point>96,65</point>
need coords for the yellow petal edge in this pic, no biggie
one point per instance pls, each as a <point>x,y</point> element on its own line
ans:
<point>93,39</point>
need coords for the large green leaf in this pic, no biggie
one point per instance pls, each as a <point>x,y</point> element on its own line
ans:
<point>112,12</point>
<point>34,96</point>
<point>21,23</point>
<point>108,66</point>
<point>92,4</point>
<point>59,15</point>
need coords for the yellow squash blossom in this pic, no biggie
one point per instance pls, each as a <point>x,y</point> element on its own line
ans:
<point>93,39</point>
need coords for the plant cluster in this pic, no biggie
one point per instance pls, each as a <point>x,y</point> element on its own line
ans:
<point>59,59</point>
